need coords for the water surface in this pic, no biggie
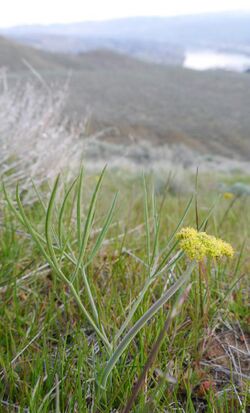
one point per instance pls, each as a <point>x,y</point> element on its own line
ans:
<point>209,59</point>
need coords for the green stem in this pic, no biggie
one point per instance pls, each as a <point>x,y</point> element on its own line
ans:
<point>139,299</point>
<point>134,308</point>
<point>89,318</point>
<point>92,304</point>
<point>200,292</point>
<point>90,296</point>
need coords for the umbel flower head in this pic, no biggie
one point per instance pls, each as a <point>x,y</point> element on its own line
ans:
<point>198,245</point>
<point>228,195</point>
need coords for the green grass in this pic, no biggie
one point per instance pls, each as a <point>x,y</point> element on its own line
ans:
<point>53,360</point>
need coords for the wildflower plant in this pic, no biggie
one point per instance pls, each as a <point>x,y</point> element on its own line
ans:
<point>60,246</point>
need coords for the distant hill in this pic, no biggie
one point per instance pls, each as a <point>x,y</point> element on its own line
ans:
<point>206,111</point>
<point>148,50</point>
<point>13,55</point>
<point>141,35</point>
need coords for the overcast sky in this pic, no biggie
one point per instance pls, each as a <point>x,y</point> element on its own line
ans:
<point>15,12</point>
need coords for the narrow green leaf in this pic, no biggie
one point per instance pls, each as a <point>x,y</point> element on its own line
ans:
<point>48,222</point>
<point>62,211</point>
<point>146,217</point>
<point>104,230</point>
<point>89,222</point>
<point>143,320</point>
<point>79,209</point>
<point>39,196</point>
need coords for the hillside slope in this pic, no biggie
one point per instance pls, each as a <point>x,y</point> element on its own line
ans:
<point>207,111</point>
<point>12,56</point>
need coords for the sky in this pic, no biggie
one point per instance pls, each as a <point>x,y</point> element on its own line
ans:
<point>18,12</point>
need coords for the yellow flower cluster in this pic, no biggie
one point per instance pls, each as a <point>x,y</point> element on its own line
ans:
<point>228,195</point>
<point>198,245</point>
